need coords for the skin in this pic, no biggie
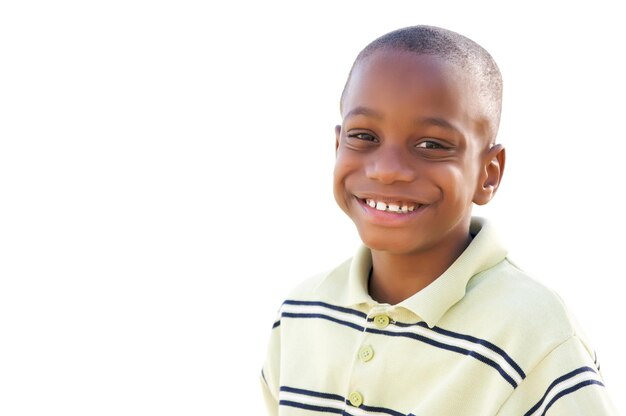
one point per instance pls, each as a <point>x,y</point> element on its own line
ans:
<point>413,132</point>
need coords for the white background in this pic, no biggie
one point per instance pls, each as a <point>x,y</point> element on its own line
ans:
<point>165,179</point>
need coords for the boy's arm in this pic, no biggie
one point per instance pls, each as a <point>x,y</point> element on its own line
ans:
<point>271,370</point>
<point>566,382</point>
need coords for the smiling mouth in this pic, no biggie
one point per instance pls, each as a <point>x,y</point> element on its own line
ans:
<point>398,207</point>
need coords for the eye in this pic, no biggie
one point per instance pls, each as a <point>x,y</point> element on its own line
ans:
<point>363,136</point>
<point>430,144</point>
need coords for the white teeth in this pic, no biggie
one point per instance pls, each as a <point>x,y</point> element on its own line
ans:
<point>394,207</point>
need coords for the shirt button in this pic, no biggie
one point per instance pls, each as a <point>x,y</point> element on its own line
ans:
<point>366,353</point>
<point>355,399</point>
<point>381,321</point>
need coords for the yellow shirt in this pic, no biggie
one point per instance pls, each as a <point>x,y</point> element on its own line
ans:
<point>482,339</point>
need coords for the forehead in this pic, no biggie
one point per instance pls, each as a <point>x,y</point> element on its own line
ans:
<point>403,75</point>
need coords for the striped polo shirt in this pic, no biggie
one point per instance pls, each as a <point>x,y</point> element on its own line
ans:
<point>482,339</point>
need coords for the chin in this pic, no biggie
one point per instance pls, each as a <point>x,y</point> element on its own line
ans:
<point>388,241</point>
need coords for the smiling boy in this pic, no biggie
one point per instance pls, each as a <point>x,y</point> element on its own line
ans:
<point>429,317</point>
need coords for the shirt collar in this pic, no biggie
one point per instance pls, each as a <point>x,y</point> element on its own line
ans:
<point>432,302</point>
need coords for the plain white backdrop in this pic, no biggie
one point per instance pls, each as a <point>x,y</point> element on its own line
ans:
<point>165,179</point>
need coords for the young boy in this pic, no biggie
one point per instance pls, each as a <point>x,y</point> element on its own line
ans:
<point>430,317</point>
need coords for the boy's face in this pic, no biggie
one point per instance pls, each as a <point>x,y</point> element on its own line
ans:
<point>412,153</point>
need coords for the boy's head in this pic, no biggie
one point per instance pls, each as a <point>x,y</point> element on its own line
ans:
<point>416,147</point>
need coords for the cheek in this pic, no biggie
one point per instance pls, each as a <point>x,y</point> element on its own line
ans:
<point>345,165</point>
<point>455,181</point>
<point>339,176</point>
<point>344,173</point>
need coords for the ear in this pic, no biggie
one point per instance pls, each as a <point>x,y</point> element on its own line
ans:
<point>491,174</point>
<point>337,136</point>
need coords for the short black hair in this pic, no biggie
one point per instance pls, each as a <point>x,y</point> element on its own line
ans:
<point>454,48</point>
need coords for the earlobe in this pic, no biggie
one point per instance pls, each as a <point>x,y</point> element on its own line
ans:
<point>337,136</point>
<point>491,175</point>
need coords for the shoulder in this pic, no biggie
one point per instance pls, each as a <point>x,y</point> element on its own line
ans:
<point>523,315</point>
<point>519,297</point>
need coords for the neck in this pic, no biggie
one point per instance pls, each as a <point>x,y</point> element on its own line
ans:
<point>396,277</point>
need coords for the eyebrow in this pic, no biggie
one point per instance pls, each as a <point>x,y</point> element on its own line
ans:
<point>438,122</point>
<point>363,111</point>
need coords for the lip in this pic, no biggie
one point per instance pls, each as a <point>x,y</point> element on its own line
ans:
<point>386,218</point>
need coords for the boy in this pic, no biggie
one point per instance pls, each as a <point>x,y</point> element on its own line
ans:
<point>429,317</point>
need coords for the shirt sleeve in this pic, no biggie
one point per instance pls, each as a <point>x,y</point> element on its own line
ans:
<point>270,372</point>
<point>565,383</point>
<point>270,401</point>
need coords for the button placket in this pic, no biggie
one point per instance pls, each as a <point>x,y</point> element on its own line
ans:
<point>365,354</point>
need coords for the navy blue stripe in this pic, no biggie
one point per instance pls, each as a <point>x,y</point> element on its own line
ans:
<point>326,305</point>
<point>380,410</point>
<point>486,344</point>
<point>321,316</point>
<point>263,375</point>
<point>312,393</point>
<point>277,323</point>
<point>570,390</point>
<point>338,411</point>
<point>555,383</point>
<point>310,407</point>
<point>453,348</point>
<point>472,339</point>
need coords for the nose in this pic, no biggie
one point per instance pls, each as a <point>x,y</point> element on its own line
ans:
<point>391,164</point>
